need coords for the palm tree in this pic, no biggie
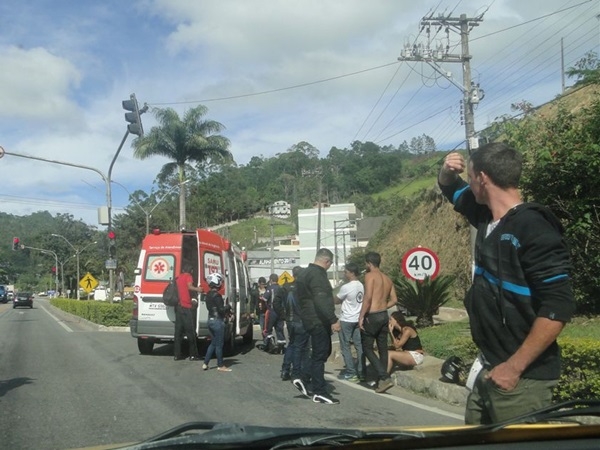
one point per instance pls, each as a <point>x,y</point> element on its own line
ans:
<point>192,139</point>
<point>423,298</point>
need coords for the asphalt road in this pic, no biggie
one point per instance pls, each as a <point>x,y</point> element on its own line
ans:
<point>65,385</point>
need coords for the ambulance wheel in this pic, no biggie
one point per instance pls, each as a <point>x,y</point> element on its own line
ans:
<point>145,346</point>
<point>229,347</point>
<point>249,336</point>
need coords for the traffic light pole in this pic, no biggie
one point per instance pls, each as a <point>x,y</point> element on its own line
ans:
<point>112,257</point>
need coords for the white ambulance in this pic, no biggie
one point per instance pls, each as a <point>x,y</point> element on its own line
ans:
<point>161,259</point>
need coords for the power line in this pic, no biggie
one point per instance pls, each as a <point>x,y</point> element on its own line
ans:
<point>532,20</point>
<point>271,91</point>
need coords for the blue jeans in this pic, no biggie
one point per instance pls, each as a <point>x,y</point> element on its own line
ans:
<point>320,337</point>
<point>297,353</point>
<point>351,332</point>
<point>217,329</point>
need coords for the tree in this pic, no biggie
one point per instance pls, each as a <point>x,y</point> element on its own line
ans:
<point>191,139</point>
<point>561,165</point>
<point>586,70</point>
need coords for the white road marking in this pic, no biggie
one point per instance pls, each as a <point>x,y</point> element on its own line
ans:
<point>398,399</point>
<point>60,322</point>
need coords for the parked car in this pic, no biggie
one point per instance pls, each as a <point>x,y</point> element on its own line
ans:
<point>3,294</point>
<point>23,299</point>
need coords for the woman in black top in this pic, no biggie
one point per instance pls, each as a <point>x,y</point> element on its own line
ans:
<point>216,322</point>
<point>408,351</point>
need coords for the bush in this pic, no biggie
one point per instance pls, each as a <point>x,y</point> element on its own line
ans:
<point>107,314</point>
<point>449,339</point>
<point>423,298</point>
<point>580,378</point>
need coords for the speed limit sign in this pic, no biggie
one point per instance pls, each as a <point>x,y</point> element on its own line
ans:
<point>420,262</point>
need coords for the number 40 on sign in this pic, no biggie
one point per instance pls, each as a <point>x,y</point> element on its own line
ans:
<point>419,263</point>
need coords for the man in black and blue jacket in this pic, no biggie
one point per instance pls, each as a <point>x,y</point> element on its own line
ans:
<point>521,295</point>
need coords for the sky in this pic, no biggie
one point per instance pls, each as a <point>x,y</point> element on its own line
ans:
<point>273,72</point>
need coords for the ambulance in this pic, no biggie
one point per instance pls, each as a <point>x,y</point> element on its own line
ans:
<point>161,258</point>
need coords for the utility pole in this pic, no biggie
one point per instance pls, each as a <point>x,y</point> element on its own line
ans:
<point>472,94</point>
<point>562,65</point>
<point>319,215</point>
<point>272,250</point>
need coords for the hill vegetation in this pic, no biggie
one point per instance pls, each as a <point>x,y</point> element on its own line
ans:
<point>562,154</point>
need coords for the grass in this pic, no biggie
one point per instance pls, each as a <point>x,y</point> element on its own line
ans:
<point>454,338</point>
<point>243,232</point>
<point>583,328</point>
<point>407,188</point>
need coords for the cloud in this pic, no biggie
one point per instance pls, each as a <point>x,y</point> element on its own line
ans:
<point>274,72</point>
<point>37,85</point>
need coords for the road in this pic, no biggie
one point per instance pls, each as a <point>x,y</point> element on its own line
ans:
<point>65,384</point>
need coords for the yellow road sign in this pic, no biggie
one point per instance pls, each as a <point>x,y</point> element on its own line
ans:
<point>285,278</point>
<point>88,283</point>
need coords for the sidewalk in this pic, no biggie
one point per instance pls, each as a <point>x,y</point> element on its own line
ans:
<point>425,379</point>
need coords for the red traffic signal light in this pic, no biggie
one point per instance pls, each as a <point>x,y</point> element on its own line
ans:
<point>53,269</point>
<point>111,235</point>
<point>15,243</point>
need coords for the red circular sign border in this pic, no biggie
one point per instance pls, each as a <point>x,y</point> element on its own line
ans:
<point>422,249</point>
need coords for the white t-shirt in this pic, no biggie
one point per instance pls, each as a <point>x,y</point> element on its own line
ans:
<point>351,294</point>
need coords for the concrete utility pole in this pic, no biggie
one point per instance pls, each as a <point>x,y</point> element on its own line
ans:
<point>472,94</point>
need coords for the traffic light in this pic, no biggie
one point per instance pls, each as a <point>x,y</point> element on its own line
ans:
<point>16,243</point>
<point>112,249</point>
<point>133,116</point>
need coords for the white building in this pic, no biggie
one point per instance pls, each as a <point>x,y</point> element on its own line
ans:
<point>338,233</point>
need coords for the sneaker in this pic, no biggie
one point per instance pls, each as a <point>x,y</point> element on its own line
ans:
<point>204,366</point>
<point>298,384</point>
<point>285,376</point>
<point>384,386</point>
<point>320,398</point>
<point>223,369</point>
<point>352,379</point>
<point>373,384</point>
<point>195,358</point>
<point>347,376</point>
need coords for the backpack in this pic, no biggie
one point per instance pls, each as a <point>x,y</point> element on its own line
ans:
<point>171,294</point>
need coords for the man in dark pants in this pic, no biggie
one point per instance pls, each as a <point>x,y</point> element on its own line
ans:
<point>184,314</point>
<point>296,360</point>
<point>380,295</point>
<point>315,297</point>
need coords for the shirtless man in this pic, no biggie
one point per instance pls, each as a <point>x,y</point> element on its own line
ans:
<point>380,295</point>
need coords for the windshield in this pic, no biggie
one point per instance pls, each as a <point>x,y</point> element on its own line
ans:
<point>380,217</point>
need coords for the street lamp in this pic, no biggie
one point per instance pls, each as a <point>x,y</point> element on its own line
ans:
<point>62,271</point>
<point>77,253</point>
<point>149,213</point>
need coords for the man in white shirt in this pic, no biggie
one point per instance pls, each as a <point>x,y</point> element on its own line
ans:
<point>351,297</point>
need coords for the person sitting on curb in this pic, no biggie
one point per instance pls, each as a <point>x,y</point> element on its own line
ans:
<point>408,351</point>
